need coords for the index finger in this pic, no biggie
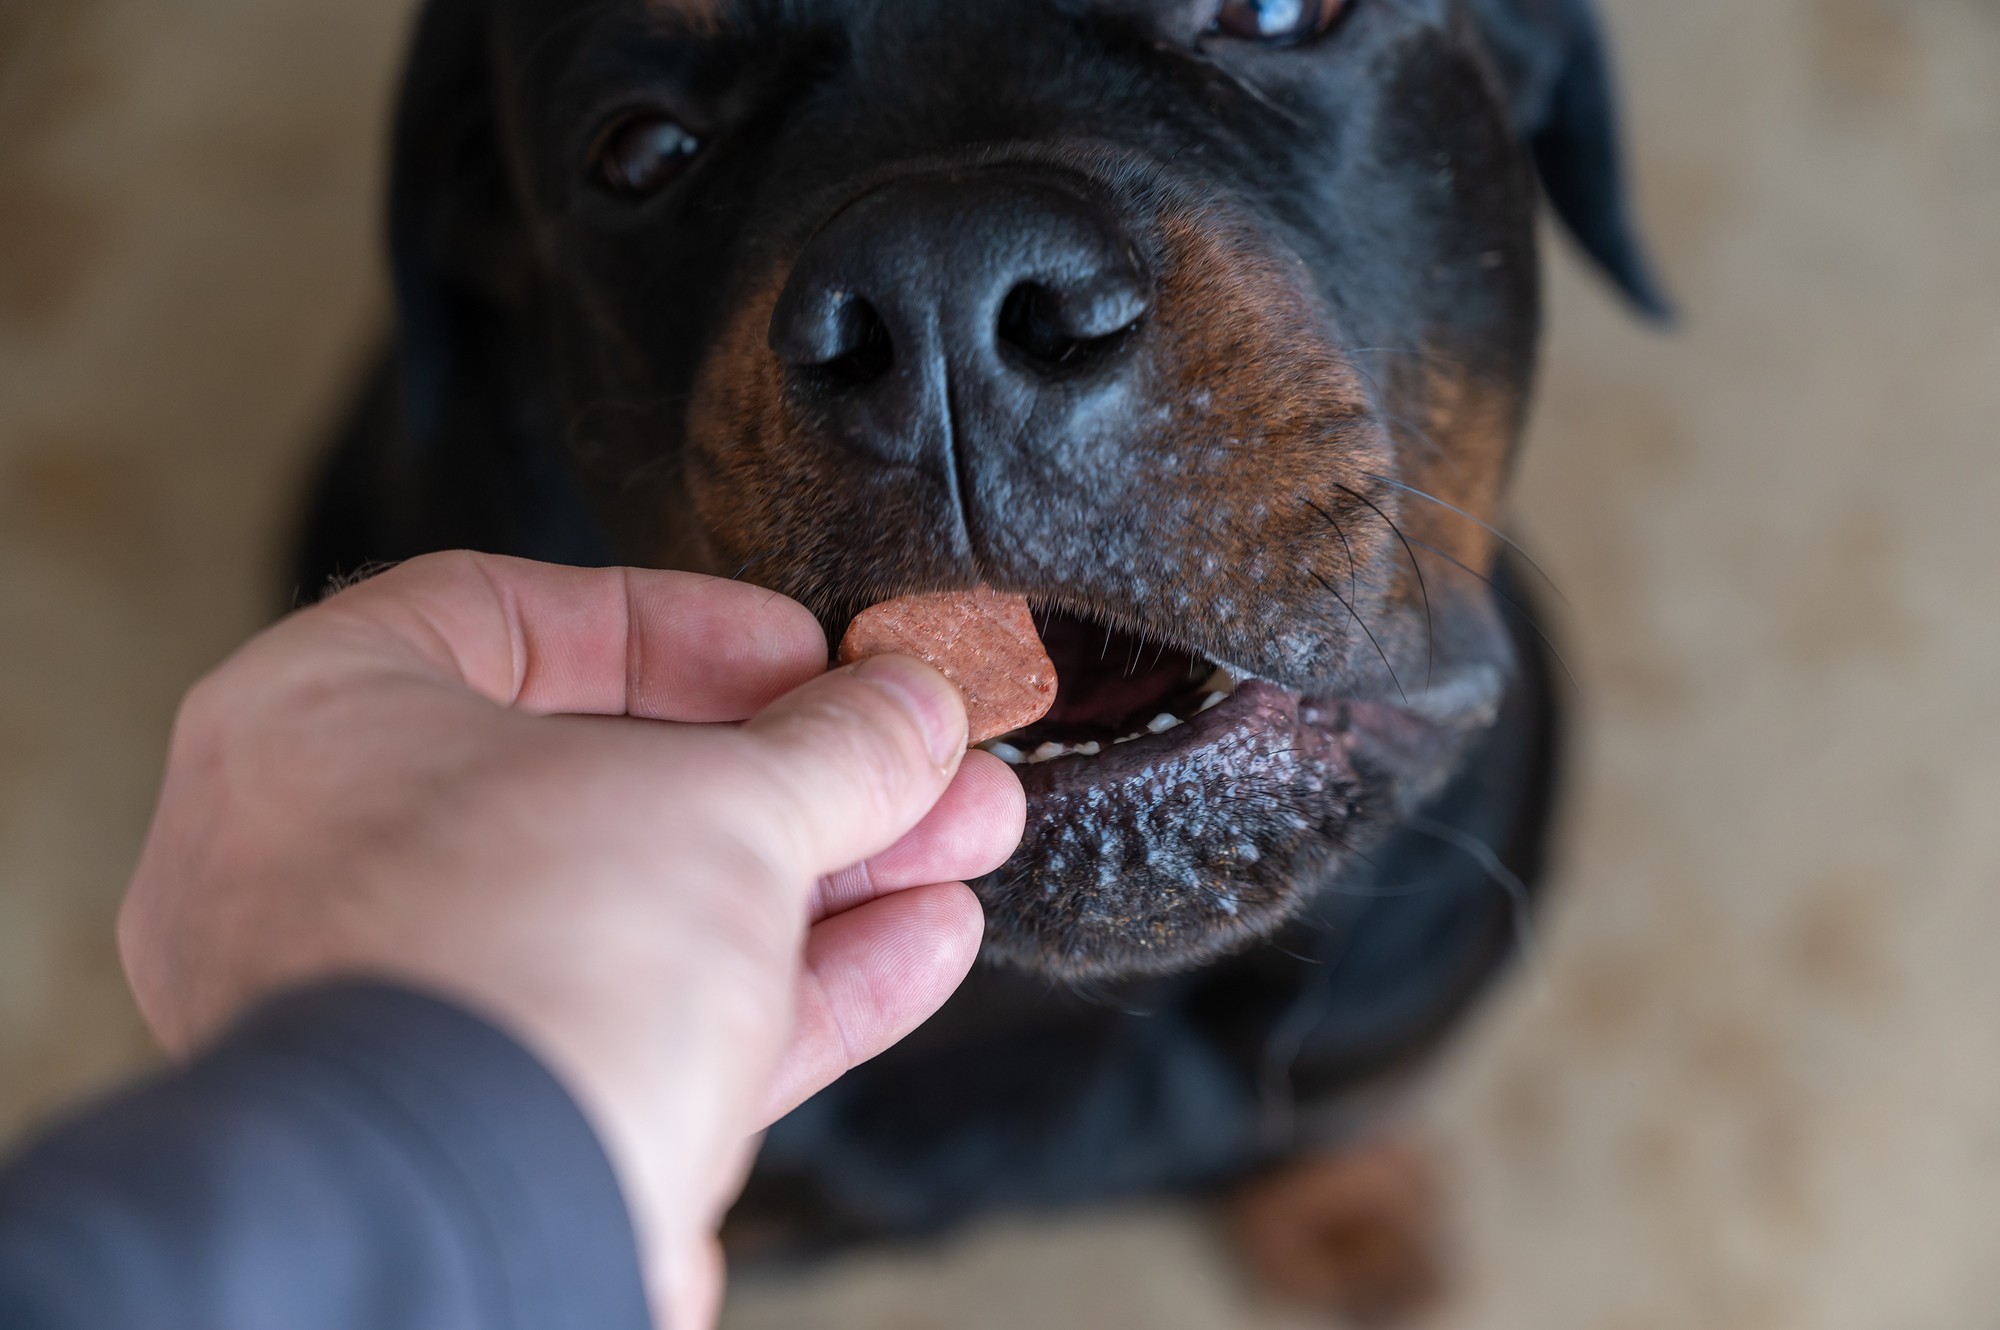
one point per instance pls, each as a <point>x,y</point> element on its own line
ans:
<point>974,829</point>
<point>592,641</point>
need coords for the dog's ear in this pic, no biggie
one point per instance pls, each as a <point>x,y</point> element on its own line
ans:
<point>1552,55</point>
<point>457,248</point>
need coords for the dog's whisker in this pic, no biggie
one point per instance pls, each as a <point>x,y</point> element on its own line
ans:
<point>1452,365</point>
<point>1363,625</point>
<point>1521,612</point>
<point>1352,612</point>
<point>1353,564</point>
<point>1423,587</point>
<point>1487,527</point>
<point>1382,893</point>
<point>1286,1043</point>
<point>1402,428</point>
<point>1519,897</point>
<point>1097,995</point>
<point>1405,430</point>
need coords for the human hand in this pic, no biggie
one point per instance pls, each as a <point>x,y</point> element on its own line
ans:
<point>522,787</point>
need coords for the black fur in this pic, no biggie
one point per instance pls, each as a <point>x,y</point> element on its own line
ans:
<point>557,353</point>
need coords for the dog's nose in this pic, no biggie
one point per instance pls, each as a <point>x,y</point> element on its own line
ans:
<point>959,308</point>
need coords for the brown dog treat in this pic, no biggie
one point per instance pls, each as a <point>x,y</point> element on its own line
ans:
<point>982,641</point>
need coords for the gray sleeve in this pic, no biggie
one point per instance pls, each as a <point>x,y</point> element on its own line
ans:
<point>350,1157</point>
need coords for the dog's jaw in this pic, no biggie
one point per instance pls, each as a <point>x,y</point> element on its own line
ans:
<point>1184,844</point>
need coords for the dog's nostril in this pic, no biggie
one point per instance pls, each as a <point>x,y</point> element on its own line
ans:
<point>865,352</point>
<point>1028,324</point>
<point>1065,329</point>
<point>839,339</point>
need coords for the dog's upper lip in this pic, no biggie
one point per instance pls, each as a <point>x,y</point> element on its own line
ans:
<point>1174,633</point>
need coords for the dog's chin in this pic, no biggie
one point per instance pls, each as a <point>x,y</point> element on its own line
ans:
<point>1179,810</point>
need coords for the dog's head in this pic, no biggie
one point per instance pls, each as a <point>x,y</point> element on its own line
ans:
<point>1204,324</point>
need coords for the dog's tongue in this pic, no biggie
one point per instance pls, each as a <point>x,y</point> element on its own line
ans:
<point>982,641</point>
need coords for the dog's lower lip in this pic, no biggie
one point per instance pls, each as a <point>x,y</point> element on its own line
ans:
<point>1175,846</point>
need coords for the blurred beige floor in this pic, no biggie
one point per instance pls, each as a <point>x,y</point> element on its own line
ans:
<point>1755,1080</point>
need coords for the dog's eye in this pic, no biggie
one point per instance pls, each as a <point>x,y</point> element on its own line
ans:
<point>639,155</point>
<point>1277,20</point>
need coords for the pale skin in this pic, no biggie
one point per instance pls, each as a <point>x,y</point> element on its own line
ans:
<point>619,813</point>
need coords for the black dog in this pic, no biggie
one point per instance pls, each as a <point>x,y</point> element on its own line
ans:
<point>1207,325</point>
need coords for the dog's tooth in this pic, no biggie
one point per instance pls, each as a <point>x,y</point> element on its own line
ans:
<point>1128,738</point>
<point>1006,752</point>
<point>1091,749</point>
<point>1163,722</point>
<point>1048,752</point>
<point>1222,681</point>
<point>1212,701</point>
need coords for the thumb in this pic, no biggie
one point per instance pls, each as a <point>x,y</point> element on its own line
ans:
<point>854,760</point>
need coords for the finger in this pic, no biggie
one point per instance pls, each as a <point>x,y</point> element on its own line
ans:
<point>686,1287</point>
<point>841,769</point>
<point>973,830</point>
<point>872,976</point>
<point>593,641</point>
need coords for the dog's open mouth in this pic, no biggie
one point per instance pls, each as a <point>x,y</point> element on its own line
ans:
<point>1113,689</point>
<point>1177,807</point>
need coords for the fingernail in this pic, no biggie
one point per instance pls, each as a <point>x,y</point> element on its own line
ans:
<point>927,696</point>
